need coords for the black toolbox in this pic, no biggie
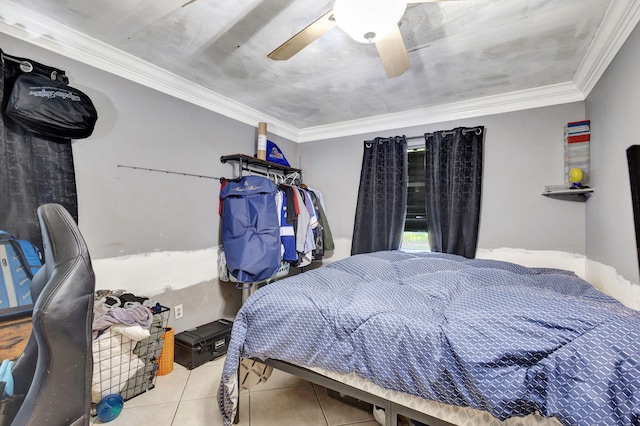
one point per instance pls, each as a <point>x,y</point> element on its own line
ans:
<point>199,345</point>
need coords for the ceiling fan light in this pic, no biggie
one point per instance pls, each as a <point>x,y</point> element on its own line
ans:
<point>368,21</point>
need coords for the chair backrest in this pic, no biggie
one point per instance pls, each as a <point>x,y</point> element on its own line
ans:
<point>54,371</point>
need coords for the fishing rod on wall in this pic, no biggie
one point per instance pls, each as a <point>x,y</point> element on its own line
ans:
<point>170,172</point>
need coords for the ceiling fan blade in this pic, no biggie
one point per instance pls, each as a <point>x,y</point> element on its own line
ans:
<point>304,38</point>
<point>393,54</point>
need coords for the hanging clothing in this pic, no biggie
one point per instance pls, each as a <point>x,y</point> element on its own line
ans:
<point>223,183</point>
<point>308,224</point>
<point>318,232</point>
<point>287,232</point>
<point>327,236</point>
<point>247,239</point>
<point>309,243</point>
<point>292,208</point>
<point>302,223</point>
<point>318,195</point>
<point>299,223</point>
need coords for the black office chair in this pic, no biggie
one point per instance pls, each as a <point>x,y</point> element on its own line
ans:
<point>54,371</point>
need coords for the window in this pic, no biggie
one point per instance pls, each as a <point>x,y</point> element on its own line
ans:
<point>415,237</point>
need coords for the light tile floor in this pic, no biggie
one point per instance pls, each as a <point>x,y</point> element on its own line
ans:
<point>188,398</point>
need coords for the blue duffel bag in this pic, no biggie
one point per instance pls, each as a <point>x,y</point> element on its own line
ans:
<point>250,228</point>
<point>19,262</point>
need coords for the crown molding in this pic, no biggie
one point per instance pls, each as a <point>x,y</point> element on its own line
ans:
<point>24,24</point>
<point>507,102</point>
<point>620,20</point>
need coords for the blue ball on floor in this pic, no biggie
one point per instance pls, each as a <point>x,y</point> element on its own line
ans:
<point>109,407</point>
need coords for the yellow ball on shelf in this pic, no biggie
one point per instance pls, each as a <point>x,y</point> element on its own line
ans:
<point>575,176</point>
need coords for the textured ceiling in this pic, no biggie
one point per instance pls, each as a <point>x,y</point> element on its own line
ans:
<point>459,50</point>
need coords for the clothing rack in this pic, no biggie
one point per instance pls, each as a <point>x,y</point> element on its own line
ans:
<point>262,167</point>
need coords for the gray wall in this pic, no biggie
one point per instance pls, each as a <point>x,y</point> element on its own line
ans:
<point>613,107</point>
<point>523,153</point>
<point>129,212</point>
<point>124,211</point>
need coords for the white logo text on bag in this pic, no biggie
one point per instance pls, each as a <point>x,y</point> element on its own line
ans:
<point>45,92</point>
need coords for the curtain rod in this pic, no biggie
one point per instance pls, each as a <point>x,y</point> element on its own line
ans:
<point>477,130</point>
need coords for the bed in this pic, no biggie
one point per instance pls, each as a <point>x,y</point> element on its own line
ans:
<point>430,334</point>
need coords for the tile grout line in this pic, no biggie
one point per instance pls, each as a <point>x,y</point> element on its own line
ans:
<point>186,382</point>
<point>324,414</point>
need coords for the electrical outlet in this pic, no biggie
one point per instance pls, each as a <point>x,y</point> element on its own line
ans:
<point>177,312</point>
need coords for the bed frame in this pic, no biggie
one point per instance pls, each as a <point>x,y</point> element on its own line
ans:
<point>391,409</point>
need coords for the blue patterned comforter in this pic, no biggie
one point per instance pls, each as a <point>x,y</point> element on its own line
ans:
<point>487,334</point>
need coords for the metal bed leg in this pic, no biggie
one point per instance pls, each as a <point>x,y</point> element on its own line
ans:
<point>236,418</point>
<point>394,415</point>
<point>246,292</point>
<point>388,418</point>
<point>250,289</point>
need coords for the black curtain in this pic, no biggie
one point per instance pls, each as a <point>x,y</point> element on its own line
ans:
<point>382,197</point>
<point>34,170</point>
<point>633,162</point>
<point>453,187</point>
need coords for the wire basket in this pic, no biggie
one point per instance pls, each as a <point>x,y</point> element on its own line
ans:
<point>125,366</point>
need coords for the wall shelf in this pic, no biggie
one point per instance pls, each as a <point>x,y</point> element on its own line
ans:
<point>578,194</point>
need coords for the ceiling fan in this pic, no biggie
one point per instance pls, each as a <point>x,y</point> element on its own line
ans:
<point>365,21</point>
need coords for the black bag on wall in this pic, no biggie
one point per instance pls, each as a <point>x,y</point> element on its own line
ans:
<point>34,169</point>
<point>51,108</point>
